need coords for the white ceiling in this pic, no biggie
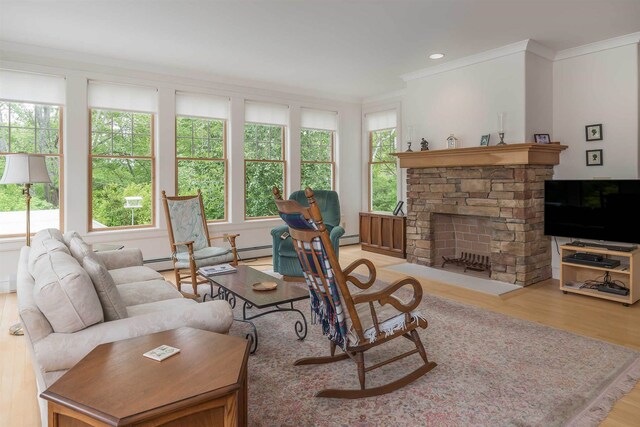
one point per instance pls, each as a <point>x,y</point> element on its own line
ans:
<point>353,48</point>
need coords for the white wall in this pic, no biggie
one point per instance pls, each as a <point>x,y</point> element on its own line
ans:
<point>600,87</point>
<point>154,242</point>
<point>466,102</point>
<point>538,96</point>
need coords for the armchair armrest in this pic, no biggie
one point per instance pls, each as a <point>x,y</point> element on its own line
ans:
<point>62,351</point>
<point>355,264</point>
<point>229,237</point>
<point>277,231</point>
<point>120,258</point>
<point>174,248</point>
<point>386,296</point>
<point>336,233</point>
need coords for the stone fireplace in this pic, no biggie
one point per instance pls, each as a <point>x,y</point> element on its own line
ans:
<point>495,198</point>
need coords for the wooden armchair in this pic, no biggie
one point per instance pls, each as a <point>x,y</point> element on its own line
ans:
<point>358,321</point>
<point>190,241</point>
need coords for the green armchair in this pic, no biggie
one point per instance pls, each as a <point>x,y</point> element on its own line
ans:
<point>285,259</point>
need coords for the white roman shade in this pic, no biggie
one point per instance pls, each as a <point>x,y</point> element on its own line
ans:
<point>200,105</point>
<point>381,120</point>
<point>318,119</point>
<point>262,112</point>
<point>115,96</point>
<point>30,87</point>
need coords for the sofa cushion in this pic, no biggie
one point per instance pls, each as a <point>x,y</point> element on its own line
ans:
<point>110,298</point>
<point>77,246</point>
<point>151,307</point>
<point>134,274</point>
<point>42,247</point>
<point>46,234</point>
<point>148,291</point>
<point>64,293</point>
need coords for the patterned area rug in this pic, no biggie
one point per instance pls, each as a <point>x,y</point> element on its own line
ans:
<point>493,370</point>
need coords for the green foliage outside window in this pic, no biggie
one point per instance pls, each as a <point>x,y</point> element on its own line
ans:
<point>121,166</point>
<point>200,148</point>
<point>316,152</point>
<point>31,128</point>
<point>264,168</point>
<point>383,171</point>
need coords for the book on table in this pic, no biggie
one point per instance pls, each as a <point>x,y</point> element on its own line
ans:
<point>215,270</point>
<point>161,353</point>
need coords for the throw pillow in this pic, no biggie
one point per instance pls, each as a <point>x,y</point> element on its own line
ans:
<point>108,293</point>
<point>64,293</point>
<point>42,247</point>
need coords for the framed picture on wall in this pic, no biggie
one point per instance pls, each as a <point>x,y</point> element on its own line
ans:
<point>542,138</point>
<point>484,140</point>
<point>593,132</point>
<point>594,158</point>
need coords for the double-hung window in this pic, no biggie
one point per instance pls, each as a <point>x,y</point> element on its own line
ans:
<point>31,122</point>
<point>317,149</point>
<point>121,159</point>
<point>383,170</point>
<point>201,150</point>
<point>264,157</point>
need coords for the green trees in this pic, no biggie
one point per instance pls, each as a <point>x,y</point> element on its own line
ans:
<point>121,165</point>
<point>200,148</point>
<point>263,167</point>
<point>382,170</point>
<point>30,128</point>
<point>316,153</point>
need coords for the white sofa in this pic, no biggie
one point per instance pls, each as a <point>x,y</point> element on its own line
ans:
<point>71,299</point>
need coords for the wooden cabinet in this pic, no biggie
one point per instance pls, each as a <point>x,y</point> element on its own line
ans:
<point>383,233</point>
<point>574,276</point>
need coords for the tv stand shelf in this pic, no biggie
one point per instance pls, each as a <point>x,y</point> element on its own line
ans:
<point>627,272</point>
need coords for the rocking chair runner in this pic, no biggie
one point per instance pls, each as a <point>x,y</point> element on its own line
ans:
<point>187,224</point>
<point>354,322</point>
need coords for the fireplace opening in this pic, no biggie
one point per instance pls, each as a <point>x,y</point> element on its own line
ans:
<point>462,242</point>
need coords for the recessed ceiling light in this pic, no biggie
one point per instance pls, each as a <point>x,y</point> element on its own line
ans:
<point>436,56</point>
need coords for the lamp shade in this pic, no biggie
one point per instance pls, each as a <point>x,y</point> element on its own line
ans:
<point>25,169</point>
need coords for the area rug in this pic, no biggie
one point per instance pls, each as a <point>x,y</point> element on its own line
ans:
<point>478,284</point>
<point>493,370</point>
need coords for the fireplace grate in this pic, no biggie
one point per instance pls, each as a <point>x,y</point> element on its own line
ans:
<point>469,261</point>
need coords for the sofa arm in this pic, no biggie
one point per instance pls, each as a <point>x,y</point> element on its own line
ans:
<point>62,351</point>
<point>120,258</point>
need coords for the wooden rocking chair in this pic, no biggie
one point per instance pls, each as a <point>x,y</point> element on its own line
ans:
<point>190,241</point>
<point>354,322</point>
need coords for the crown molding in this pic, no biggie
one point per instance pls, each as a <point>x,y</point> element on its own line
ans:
<point>633,38</point>
<point>477,58</point>
<point>71,63</point>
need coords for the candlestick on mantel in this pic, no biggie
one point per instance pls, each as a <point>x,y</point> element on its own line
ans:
<point>501,118</point>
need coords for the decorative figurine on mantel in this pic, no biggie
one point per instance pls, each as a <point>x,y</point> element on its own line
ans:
<point>501,133</point>
<point>452,142</point>
<point>409,139</point>
<point>424,145</point>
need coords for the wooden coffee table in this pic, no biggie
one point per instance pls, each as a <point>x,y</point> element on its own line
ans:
<point>115,385</point>
<point>281,299</point>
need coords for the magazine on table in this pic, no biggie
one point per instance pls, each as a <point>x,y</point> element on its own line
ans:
<point>161,353</point>
<point>215,270</point>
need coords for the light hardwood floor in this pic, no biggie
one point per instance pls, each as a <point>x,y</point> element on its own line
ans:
<point>542,303</point>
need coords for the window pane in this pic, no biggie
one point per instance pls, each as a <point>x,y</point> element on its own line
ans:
<point>263,142</point>
<point>112,133</point>
<point>208,176</point>
<point>383,143</point>
<point>318,176</point>
<point>260,177</point>
<point>383,186</point>
<point>316,145</point>
<point>201,138</point>
<point>45,203</point>
<point>115,179</point>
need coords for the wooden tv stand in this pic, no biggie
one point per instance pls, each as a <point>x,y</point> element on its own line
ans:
<point>627,272</point>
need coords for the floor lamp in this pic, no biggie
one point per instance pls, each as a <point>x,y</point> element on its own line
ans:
<point>25,169</point>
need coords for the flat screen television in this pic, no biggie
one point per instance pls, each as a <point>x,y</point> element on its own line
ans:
<point>593,209</point>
